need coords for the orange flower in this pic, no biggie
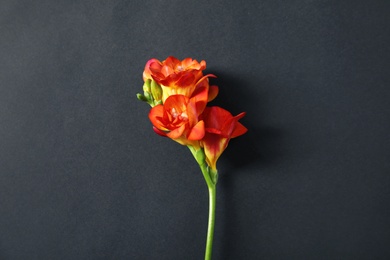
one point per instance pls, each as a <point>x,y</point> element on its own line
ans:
<point>178,77</point>
<point>178,117</point>
<point>220,127</point>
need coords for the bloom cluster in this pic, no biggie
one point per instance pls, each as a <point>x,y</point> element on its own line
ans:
<point>178,93</point>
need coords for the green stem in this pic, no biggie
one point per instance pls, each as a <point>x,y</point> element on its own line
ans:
<point>211,178</point>
<point>210,229</point>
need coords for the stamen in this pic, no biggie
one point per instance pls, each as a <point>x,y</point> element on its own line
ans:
<point>174,113</point>
<point>183,115</point>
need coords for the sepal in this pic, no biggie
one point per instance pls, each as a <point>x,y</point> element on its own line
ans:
<point>152,93</point>
<point>213,175</point>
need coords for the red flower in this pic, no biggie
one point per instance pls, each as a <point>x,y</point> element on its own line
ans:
<point>173,72</point>
<point>220,127</point>
<point>178,117</point>
<point>178,77</point>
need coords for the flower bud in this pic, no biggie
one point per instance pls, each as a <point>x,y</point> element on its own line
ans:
<point>146,86</point>
<point>141,97</point>
<point>156,91</point>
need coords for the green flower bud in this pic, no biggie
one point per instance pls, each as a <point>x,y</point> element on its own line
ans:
<point>146,86</point>
<point>156,91</point>
<point>141,97</point>
<point>152,93</point>
<point>148,96</point>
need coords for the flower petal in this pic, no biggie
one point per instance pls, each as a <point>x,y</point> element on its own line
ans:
<point>213,92</point>
<point>199,98</point>
<point>148,68</point>
<point>176,102</point>
<point>213,146</point>
<point>213,131</point>
<point>186,80</point>
<point>197,132</point>
<point>233,126</point>
<point>159,132</point>
<point>176,133</point>
<point>155,115</point>
<point>239,130</point>
<point>216,117</point>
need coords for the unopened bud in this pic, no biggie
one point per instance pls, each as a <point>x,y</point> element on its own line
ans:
<point>156,91</point>
<point>148,96</point>
<point>141,97</point>
<point>146,86</point>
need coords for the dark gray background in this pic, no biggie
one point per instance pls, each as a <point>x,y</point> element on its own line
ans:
<point>83,176</point>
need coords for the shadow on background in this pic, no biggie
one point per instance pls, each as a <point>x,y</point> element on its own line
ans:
<point>260,147</point>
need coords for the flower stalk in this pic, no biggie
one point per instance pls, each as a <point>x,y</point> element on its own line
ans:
<point>211,178</point>
<point>211,223</point>
<point>178,93</point>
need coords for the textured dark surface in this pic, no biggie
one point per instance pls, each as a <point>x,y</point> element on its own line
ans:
<point>83,176</point>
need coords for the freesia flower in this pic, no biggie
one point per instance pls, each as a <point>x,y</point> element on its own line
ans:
<point>220,127</point>
<point>178,118</point>
<point>173,72</point>
<point>178,77</point>
<point>178,93</point>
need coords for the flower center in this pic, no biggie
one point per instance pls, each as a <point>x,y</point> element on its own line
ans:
<point>181,116</point>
